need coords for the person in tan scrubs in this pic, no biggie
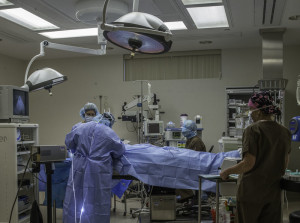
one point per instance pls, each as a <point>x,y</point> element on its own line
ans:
<point>266,149</point>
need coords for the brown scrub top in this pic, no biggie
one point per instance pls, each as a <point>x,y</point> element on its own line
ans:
<point>270,143</point>
<point>195,143</point>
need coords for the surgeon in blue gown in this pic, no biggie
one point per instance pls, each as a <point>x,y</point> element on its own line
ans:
<point>94,146</point>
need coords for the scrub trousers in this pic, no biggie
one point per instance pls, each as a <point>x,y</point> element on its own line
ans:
<point>248,212</point>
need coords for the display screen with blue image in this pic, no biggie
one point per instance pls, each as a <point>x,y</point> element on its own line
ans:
<point>20,100</point>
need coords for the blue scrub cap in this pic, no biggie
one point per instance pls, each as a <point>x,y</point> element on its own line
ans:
<point>88,106</point>
<point>190,125</point>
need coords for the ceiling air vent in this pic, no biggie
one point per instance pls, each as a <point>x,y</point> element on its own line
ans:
<point>268,12</point>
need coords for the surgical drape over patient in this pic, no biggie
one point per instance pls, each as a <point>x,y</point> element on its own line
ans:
<point>97,149</point>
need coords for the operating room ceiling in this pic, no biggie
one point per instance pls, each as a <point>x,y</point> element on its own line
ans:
<point>245,19</point>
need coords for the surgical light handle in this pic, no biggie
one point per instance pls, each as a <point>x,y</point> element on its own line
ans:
<point>57,46</point>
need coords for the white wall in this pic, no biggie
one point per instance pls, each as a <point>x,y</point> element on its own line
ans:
<point>90,77</point>
<point>12,71</point>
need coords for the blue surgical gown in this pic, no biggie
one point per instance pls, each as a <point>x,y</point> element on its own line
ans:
<point>88,192</point>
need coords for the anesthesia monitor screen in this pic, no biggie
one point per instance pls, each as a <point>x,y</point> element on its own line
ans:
<point>153,128</point>
<point>20,102</point>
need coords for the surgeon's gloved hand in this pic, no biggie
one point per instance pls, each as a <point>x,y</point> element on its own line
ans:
<point>103,120</point>
<point>108,116</point>
<point>240,151</point>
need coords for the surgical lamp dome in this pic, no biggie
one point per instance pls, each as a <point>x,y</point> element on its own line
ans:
<point>141,38</point>
<point>44,78</point>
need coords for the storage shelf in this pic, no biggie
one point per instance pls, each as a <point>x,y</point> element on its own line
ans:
<point>12,169</point>
<point>22,171</point>
<point>23,153</point>
<point>26,187</point>
<point>25,142</point>
<point>24,219</point>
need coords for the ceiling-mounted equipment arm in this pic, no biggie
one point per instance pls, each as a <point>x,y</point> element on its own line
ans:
<point>57,46</point>
<point>75,49</point>
<point>135,6</point>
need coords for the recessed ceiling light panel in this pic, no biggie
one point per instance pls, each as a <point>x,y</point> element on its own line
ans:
<point>200,2</point>
<point>26,19</point>
<point>209,17</point>
<point>178,25</point>
<point>71,33</point>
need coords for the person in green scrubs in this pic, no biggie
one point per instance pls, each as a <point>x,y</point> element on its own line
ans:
<point>266,149</point>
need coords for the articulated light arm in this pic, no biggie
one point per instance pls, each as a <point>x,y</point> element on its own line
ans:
<point>57,46</point>
<point>42,53</point>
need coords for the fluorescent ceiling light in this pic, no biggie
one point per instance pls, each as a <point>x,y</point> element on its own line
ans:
<point>71,33</point>
<point>4,3</point>
<point>199,2</point>
<point>178,25</point>
<point>209,17</point>
<point>26,19</point>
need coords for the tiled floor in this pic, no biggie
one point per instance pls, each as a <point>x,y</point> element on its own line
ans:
<point>118,215</point>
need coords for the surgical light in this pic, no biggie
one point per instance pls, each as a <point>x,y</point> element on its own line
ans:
<point>47,77</point>
<point>138,32</point>
<point>44,79</point>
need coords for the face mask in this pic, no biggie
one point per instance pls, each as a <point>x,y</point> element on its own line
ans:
<point>88,118</point>
<point>188,134</point>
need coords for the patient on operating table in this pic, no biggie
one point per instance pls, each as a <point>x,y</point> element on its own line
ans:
<point>97,150</point>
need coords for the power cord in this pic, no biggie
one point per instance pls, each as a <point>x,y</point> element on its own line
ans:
<point>144,201</point>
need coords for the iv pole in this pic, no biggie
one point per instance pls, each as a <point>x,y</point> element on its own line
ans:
<point>140,122</point>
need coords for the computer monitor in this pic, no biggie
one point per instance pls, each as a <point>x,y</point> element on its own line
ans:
<point>14,104</point>
<point>153,128</point>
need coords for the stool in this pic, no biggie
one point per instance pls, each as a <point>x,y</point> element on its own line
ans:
<point>295,217</point>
